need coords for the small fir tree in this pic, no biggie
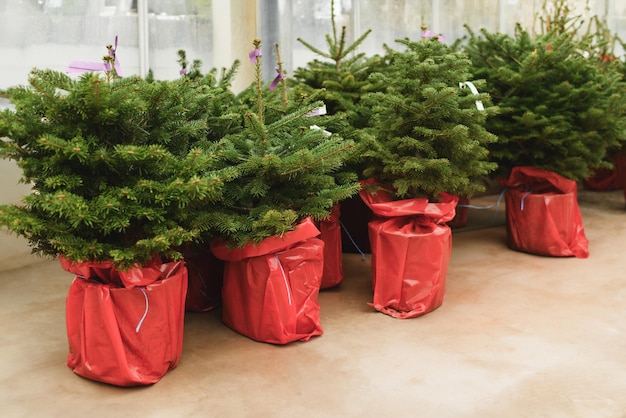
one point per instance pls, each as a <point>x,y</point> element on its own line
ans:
<point>430,134</point>
<point>596,41</point>
<point>561,104</point>
<point>114,172</point>
<point>286,170</point>
<point>342,74</point>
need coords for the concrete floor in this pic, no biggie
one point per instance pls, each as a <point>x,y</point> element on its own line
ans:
<point>518,335</point>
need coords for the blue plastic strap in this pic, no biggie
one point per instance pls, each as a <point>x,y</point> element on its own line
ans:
<point>523,198</point>
<point>352,240</point>
<point>496,205</point>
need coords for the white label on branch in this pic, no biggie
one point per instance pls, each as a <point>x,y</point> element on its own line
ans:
<point>317,128</point>
<point>318,112</point>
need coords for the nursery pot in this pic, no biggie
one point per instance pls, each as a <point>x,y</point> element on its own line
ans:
<point>411,247</point>
<point>270,291</point>
<point>330,233</point>
<point>125,328</point>
<point>542,214</point>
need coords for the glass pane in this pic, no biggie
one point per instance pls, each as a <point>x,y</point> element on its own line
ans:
<point>477,14</point>
<point>617,22</point>
<point>394,19</point>
<point>311,22</point>
<point>388,20</point>
<point>60,31</point>
<point>175,25</point>
<point>512,12</point>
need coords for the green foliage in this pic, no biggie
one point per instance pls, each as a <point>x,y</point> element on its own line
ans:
<point>218,104</point>
<point>561,107</point>
<point>343,76</point>
<point>115,166</point>
<point>286,165</point>
<point>340,78</point>
<point>430,135</point>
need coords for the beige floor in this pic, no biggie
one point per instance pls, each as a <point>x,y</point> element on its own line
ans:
<point>517,336</point>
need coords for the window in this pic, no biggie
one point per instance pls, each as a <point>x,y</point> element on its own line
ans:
<point>151,32</point>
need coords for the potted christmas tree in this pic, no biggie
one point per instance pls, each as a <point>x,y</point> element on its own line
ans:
<point>286,178</point>
<point>602,51</point>
<point>116,187</point>
<point>430,148</point>
<point>560,113</point>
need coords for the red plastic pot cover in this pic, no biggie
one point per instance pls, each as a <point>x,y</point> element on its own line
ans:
<point>270,291</point>
<point>602,179</point>
<point>206,274</point>
<point>542,214</point>
<point>411,249</point>
<point>126,336</point>
<point>104,272</point>
<point>305,229</point>
<point>461,212</point>
<point>383,205</point>
<point>609,178</point>
<point>330,230</point>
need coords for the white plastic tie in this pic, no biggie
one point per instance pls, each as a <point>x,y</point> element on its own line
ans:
<point>145,295</point>
<point>474,90</point>
<point>282,270</point>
